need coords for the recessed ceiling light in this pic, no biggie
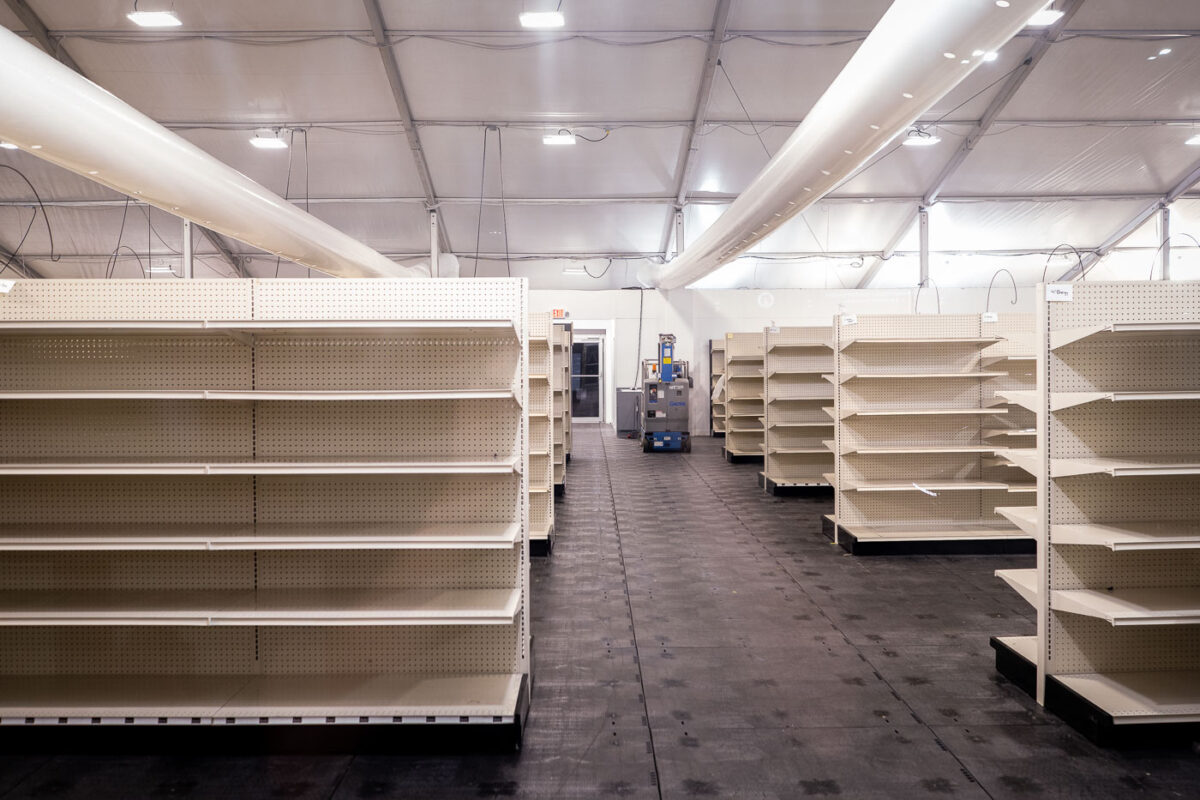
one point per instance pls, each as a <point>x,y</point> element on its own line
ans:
<point>919,138</point>
<point>541,19</point>
<point>874,127</point>
<point>908,95</point>
<point>562,137</point>
<point>976,53</point>
<point>965,61</point>
<point>992,56</point>
<point>1002,3</point>
<point>154,19</point>
<point>1194,141</point>
<point>949,55</point>
<point>8,145</point>
<point>93,172</point>
<point>1164,51</point>
<point>1152,58</point>
<point>1047,16</point>
<point>35,147</point>
<point>267,139</point>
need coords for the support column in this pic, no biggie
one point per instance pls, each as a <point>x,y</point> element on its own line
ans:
<point>434,244</point>
<point>923,222</point>
<point>679,240</point>
<point>188,270</point>
<point>1165,214</point>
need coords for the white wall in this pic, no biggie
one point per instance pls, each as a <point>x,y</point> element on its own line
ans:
<point>696,316</point>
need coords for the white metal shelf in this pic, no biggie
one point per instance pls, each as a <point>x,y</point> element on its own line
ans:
<point>1060,401</point>
<point>258,536</point>
<point>431,465</point>
<point>1024,517</point>
<point>306,326</point>
<point>967,530</point>
<point>1131,535</point>
<point>1126,467</point>
<point>346,699</point>
<point>991,433</point>
<point>1023,581</point>
<point>259,395</point>
<point>919,450</point>
<point>1144,697</point>
<point>307,607</point>
<point>1148,606</point>
<point>1024,398</point>
<point>1126,331</point>
<point>926,485</point>
<point>844,378</point>
<point>943,340</point>
<point>1024,646</point>
<point>921,412</point>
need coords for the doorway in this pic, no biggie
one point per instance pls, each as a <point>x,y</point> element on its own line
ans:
<point>587,377</point>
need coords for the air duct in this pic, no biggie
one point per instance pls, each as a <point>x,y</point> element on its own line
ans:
<point>58,115</point>
<point>919,51</point>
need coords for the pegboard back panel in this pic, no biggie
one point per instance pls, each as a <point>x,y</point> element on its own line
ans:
<point>909,394</point>
<point>128,300</point>
<point>799,387</point>
<point>1114,365</point>
<point>125,429</point>
<point>391,299</point>
<point>1100,304</point>
<point>916,431</point>
<point>387,569</point>
<point>1094,498</point>
<point>211,361</point>
<point>811,360</point>
<point>541,507</point>
<point>800,336</point>
<point>1078,567</point>
<point>905,468</point>
<point>1081,644</point>
<point>69,650</point>
<point>800,413</point>
<point>486,430</point>
<point>127,571</point>
<point>397,363</point>
<point>743,371</point>
<point>914,508</point>
<point>798,467</point>
<point>77,500</point>
<point>539,328</point>
<point>742,346</point>
<point>906,326</point>
<point>1017,332</point>
<point>1126,430</point>
<point>388,498</point>
<point>462,649</point>
<point>873,359</point>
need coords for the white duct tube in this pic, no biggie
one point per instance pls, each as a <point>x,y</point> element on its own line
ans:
<point>919,51</point>
<point>56,114</point>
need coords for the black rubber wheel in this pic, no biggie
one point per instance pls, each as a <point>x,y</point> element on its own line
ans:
<point>687,445</point>
<point>646,446</point>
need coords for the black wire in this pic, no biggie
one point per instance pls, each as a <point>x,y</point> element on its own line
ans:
<point>149,243</point>
<point>503,204</point>
<point>601,139</point>
<point>479,216</point>
<point>602,274</point>
<point>638,350</point>
<point>1157,250</point>
<point>287,186</point>
<point>1078,258</point>
<point>41,205</point>
<point>12,259</point>
<point>988,305</point>
<point>134,253</point>
<point>111,267</point>
<point>749,119</point>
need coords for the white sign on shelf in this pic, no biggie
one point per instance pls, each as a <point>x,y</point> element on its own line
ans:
<point>6,286</point>
<point>849,319</point>
<point>1060,292</point>
<point>991,316</point>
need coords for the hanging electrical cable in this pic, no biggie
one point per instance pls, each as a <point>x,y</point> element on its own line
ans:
<point>54,257</point>
<point>1078,258</point>
<point>1154,261</point>
<point>479,215</point>
<point>503,204</point>
<point>988,304</point>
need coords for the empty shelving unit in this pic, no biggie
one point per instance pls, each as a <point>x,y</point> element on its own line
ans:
<point>561,408</point>
<point>910,457</point>
<point>568,345</point>
<point>263,502</point>
<point>716,366</point>
<point>1012,430</point>
<point>797,430</point>
<point>1117,584</point>
<point>541,436</point>
<point>743,396</point>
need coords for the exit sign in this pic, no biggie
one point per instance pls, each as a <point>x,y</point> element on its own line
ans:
<point>558,313</point>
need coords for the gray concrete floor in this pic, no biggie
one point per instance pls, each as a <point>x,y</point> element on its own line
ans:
<point>695,637</point>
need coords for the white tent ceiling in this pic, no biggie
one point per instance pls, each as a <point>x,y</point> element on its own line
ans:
<point>1091,138</point>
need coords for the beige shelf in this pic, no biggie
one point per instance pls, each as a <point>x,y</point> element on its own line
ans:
<point>263,536</point>
<point>1133,698</point>
<point>920,450</point>
<point>1023,398</point>
<point>934,531</point>
<point>919,375</point>
<point>349,466</point>
<point>806,346</point>
<point>989,433</point>
<point>1132,535</point>
<point>260,395</point>
<point>987,360</point>
<point>308,607</point>
<point>796,451</point>
<point>1024,517</point>
<point>1127,331</point>
<point>741,359</point>
<point>922,412</point>
<point>1023,581</point>
<point>828,424</point>
<point>1025,458</point>
<point>1157,606</point>
<point>1021,488</point>
<point>968,340</point>
<point>1064,400</point>
<point>1125,467</point>
<point>306,326</point>
<point>926,485</point>
<point>831,479</point>
<point>261,699</point>
<point>1024,646</point>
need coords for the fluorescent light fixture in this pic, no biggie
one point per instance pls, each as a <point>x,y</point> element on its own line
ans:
<point>154,19</point>
<point>1194,141</point>
<point>919,138</point>
<point>8,145</point>
<point>1047,16</point>
<point>267,139</point>
<point>574,269</point>
<point>542,19</point>
<point>564,136</point>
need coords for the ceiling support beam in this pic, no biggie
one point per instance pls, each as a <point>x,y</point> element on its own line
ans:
<point>20,265</point>
<point>224,250</point>
<point>1165,223</point>
<point>889,250</point>
<point>40,33</point>
<point>1002,99</point>
<point>392,69</point>
<point>687,157</point>
<point>1125,231</point>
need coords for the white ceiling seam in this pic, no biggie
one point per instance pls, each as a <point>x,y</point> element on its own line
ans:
<point>918,52</point>
<point>58,115</point>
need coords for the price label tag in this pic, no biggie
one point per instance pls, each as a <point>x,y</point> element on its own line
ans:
<point>773,329</point>
<point>991,316</point>
<point>1060,292</point>
<point>849,319</point>
<point>6,286</point>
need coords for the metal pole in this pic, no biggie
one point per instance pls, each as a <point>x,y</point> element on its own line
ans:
<point>679,241</point>
<point>1165,212</point>
<point>434,245</point>
<point>923,221</point>
<point>187,271</point>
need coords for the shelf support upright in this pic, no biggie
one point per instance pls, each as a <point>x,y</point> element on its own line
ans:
<point>1165,218</point>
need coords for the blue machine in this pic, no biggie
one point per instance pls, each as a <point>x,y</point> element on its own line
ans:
<point>664,413</point>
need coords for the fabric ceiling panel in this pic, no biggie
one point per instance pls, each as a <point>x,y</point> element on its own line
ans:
<point>608,228</point>
<point>776,82</point>
<point>789,15</point>
<point>1026,226</point>
<point>629,162</point>
<point>91,230</point>
<point>387,227</point>
<point>49,180</point>
<point>490,15</point>
<point>1077,160</point>
<point>217,81</point>
<point>211,15</point>
<point>347,162</point>
<point>1142,15</point>
<point>1111,79</point>
<point>905,171</point>
<point>554,82</point>
<point>730,156</point>
<point>840,227</point>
